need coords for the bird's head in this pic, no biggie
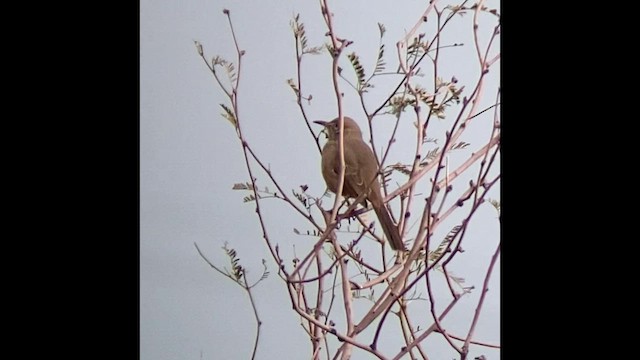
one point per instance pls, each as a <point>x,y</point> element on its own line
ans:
<point>351,128</point>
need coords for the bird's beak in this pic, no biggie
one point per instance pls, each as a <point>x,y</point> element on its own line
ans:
<point>323,123</point>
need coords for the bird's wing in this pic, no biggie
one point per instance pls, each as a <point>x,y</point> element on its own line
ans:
<point>360,171</point>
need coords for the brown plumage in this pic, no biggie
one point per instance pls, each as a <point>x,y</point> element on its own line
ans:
<point>361,172</point>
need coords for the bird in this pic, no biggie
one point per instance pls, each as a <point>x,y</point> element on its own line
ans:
<point>360,174</point>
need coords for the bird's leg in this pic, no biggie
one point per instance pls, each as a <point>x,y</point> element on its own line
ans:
<point>340,217</point>
<point>327,215</point>
<point>355,212</point>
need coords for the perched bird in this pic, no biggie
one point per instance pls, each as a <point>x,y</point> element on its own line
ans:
<point>360,174</point>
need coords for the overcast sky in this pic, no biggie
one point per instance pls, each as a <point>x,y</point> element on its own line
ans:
<point>190,159</point>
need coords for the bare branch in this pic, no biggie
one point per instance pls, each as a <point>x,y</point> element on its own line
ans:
<point>381,281</point>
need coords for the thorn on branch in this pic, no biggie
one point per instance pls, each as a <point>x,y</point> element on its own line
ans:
<point>344,42</point>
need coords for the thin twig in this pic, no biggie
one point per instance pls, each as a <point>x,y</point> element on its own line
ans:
<point>212,265</point>
<point>432,310</point>
<point>247,288</point>
<point>427,332</point>
<point>299,56</point>
<point>318,308</point>
<point>258,321</point>
<point>404,316</point>
<point>474,342</point>
<point>485,289</point>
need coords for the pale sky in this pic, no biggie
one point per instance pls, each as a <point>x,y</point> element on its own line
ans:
<point>190,158</point>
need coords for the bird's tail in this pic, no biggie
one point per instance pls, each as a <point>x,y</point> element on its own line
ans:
<point>389,228</point>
